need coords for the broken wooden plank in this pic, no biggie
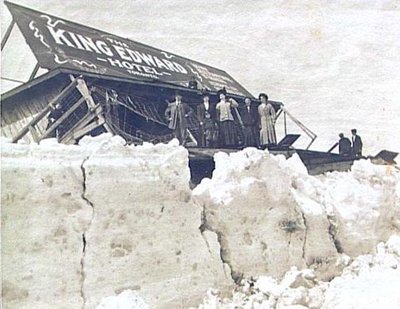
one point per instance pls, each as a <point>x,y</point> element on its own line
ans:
<point>44,112</point>
<point>86,93</point>
<point>62,118</point>
<point>34,134</point>
<point>93,125</point>
<point>80,124</point>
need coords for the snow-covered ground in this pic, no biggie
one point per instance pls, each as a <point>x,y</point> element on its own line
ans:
<point>369,281</point>
<point>102,224</point>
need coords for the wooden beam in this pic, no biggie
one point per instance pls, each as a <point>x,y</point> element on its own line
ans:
<point>85,120</point>
<point>80,124</point>
<point>7,34</point>
<point>35,70</point>
<point>278,114</point>
<point>62,118</point>
<point>12,80</point>
<point>84,90</point>
<point>44,112</point>
<point>93,113</point>
<point>34,134</point>
<point>88,128</point>
<point>284,121</point>
<point>82,130</point>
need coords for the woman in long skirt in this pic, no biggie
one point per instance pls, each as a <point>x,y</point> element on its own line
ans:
<point>227,132</point>
<point>267,121</point>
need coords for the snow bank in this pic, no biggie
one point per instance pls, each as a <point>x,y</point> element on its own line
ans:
<point>145,233</point>
<point>368,209</point>
<point>363,205</point>
<point>43,218</point>
<point>370,281</point>
<point>80,223</point>
<point>271,215</point>
<point>86,223</point>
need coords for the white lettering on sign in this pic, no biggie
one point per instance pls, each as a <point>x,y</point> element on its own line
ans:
<point>79,41</point>
<point>59,36</point>
<point>153,61</point>
<point>133,66</point>
<point>121,52</point>
<point>76,40</point>
<point>104,48</point>
<point>128,57</point>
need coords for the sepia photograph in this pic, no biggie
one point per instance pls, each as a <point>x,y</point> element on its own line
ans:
<point>207,154</point>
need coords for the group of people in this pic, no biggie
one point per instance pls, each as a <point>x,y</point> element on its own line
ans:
<point>350,148</point>
<point>218,122</point>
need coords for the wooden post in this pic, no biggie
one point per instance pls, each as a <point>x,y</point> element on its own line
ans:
<point>35,70</point>
<point>284,120</point>
<point>44,112</point>
<point>7,34</point>
<point>34,134</point>
<point>84,90</point>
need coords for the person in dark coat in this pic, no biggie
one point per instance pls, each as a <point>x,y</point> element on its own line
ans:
<point>206,114</point>
<point>176,114</point>
<point>344,145</point>
<point>249,117</point>
<point>357,144</point>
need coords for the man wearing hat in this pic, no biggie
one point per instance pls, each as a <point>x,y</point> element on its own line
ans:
<point>357,144</point>
<point>249,118</point>
<point>344,145</point>
<point>267,117</point>
<point>176,114</point>
<point>206,118</point>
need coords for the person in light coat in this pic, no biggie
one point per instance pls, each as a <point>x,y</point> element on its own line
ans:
<point>267,117</point>
<point>227,130</point>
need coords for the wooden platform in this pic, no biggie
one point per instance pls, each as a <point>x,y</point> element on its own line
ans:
<point>202,164</point>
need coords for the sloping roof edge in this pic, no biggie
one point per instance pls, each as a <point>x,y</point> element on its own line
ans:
<point>56,72</point>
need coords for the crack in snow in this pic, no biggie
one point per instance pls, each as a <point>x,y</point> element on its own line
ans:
<point>305,239</point>
<point>332,232</point>
<point>224,251</point>
<point>84,240</point>
<point>203,228</point>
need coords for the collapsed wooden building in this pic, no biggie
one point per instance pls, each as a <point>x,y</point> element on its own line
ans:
<point>100,82</point>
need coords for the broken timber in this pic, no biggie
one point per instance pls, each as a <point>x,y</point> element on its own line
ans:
<point>86,124</point>
<point>45,111</point>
